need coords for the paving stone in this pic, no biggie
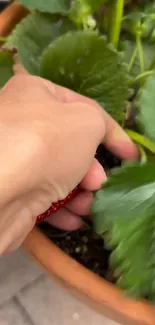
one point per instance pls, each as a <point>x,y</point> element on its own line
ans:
<point>11,314</point>
<point>16,272</point>
<point>48,304</point>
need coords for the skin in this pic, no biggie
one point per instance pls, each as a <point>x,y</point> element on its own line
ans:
<point>48,139</point>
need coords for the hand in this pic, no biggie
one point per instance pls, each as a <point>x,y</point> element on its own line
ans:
<point>48,139</point>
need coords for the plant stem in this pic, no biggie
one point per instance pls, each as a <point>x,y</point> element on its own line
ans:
<point>140,52</point>
<point>152,65</point>
<point>142,140</point>
<point>3,39</point>
<point>132,60</point>
<point>143,158</point>
<point>115,22</point>
<point>141,76</point>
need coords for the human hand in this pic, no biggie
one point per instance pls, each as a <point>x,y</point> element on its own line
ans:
<point>48,139</point>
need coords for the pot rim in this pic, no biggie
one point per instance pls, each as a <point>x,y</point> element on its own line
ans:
<point>62,265</point>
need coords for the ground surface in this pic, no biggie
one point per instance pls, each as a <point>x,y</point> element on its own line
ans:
<point>29,297</point>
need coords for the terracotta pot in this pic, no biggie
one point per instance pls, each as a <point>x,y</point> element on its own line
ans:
<point>10,17</point>
<point>92,289</point>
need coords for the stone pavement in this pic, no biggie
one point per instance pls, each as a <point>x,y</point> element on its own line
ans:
<point>29,297</point>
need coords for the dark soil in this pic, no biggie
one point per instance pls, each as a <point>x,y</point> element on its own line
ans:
<point>84,245</point>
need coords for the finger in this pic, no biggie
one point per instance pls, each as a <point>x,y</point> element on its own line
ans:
<point>65,220</point>
<point>117,141</point>
<point>81,204</point>
<point>94,178</point>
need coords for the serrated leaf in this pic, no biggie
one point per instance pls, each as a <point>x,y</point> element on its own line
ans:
<point>132,254</point>
<point>85,63</point>
<point>48,6</point>
<point>146,102</point>
<point>125,209</point>
<point>129,191</point>
<point>33,34</point>
<point>6,67</point>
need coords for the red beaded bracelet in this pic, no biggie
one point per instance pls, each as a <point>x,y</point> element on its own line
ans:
<point>57,206</point>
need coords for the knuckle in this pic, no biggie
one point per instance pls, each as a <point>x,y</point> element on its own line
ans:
<point>35,144</point>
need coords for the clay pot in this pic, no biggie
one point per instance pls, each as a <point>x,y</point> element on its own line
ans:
<point>93,290</point>
<point>10,17</point>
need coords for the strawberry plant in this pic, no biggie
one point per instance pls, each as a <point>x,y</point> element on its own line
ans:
<point>104,49</point>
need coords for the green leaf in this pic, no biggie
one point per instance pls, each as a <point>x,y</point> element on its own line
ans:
<point>85,63</point>
<point>129,191</point>
<point>141,140</point>
<point>146,102</point>
<point>6,67</point>
<point>131,256</point>
<point>33,34</point>
<point>49,6</point>
<point>124,208</point>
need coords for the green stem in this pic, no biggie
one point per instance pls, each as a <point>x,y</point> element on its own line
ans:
<point>141,76</point>
<point>116,21</point>
<point>133,57</point>
<point>143,155</point>
<point>140,52</point>
<point>142,140</point>
<point>152,65</point>
<point>3,39</point>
